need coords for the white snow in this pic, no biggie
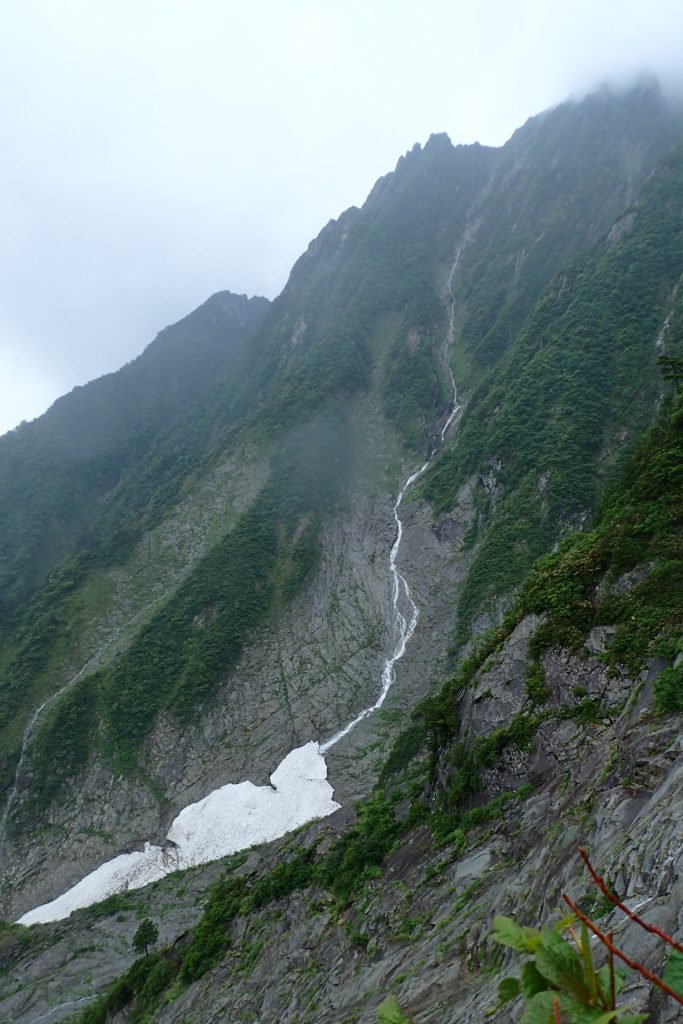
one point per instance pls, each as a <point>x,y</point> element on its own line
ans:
<point>231,818</point>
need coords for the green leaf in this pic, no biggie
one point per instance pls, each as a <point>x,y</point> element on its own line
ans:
<point>561,965</point>
<point>509,933</point>
<point>673,972</point>
<point>579,1014</point>
<point>508,989</point>
<point>619,979</point>
<point>589,974</point>
<point>634,1018</point>
<point>532,981</point>
<point>389,1012</point>
<point>539,1009</point>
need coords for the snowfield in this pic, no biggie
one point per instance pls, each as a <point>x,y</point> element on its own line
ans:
<point>231,818</point>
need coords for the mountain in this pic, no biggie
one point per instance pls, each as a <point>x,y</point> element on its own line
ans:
<point>198,578</point>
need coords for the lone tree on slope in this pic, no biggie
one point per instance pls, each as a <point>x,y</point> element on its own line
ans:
<point>146,935</point>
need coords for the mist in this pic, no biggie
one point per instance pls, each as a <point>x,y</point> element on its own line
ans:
<point>157,153</point>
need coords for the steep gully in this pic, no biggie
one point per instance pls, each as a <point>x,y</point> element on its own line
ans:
<point>240,815</point>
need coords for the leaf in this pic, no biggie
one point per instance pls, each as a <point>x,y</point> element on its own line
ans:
<point>389,1012</point>
<point>673,972</point>
<point>568,919</point>
<point>532,981</point>
<point>579,1014</point>
<point>634,1018</point>
<point>509,933</point>
<point>539,1010</point>
<point>508,989</point>
<point>561,965</point>
<point>619,979</point>
<point>589,974</point>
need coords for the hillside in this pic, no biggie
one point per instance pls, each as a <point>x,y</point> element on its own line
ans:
<point>206,575</point>
<point>562,729</point>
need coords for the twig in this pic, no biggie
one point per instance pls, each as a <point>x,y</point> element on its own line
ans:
<point>629,913</point>
<point>633,964</point>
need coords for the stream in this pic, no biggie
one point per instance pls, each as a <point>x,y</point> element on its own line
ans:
<point>239,815</point>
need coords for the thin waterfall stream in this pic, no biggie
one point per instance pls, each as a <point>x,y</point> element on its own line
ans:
<point>239,815</point>
<point>405,625</point>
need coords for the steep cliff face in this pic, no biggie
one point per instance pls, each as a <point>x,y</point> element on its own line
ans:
<point>233,598</point>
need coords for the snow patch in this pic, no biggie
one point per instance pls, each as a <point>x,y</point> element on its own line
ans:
<point>231,818</point>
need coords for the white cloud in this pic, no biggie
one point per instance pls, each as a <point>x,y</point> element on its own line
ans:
<point>26,390</point>
<point>155,152</point>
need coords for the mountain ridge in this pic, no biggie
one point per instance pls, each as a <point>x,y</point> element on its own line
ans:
<point>243,561</point>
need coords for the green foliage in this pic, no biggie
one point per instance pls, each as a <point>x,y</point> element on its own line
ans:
<point>559,978</point>
<point>55,471</point>
<point>637,529</point>
<point>467,760</point>
<point>535,683</point>
<point>141,986</point>
<point>412,388</point>
<point>234,896</point>
<point>407,746</point>
<point>198,635</point>
<point>178,657</point>
<point>548,423</point>
<point>389,1012</point>
<point>669,691</point>
<point>673,972</point>
<point>361,848</point>
<point>65,740</point>
<point>146,935</point>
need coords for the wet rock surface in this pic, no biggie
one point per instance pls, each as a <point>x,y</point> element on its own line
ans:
<point>422,930</point>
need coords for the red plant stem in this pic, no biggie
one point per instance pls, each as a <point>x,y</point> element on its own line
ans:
<point>556,1010</point>
<point>633,964</point>
<point>629,913</point>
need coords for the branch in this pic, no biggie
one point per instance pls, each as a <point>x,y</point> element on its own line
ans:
<point>633,964</point>
<point>629,913</point>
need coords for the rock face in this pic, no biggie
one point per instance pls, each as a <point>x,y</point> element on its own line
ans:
<point>312,670</point>
<point>422,931</point>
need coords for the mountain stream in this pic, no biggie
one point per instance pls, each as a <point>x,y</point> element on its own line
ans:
<point>240,815</point>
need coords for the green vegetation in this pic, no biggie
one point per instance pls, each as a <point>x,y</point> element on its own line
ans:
<point>198,634</point>
<point>625,572</point>
<point>635,552</point>
<point>67,737</point>
<point>147,935</point>
<point>55,471</point>
<point>549,422</point>
<point>647,505</point>
<point>559,980</point>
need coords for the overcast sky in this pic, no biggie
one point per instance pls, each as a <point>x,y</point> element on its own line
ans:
<point>156,151</point>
